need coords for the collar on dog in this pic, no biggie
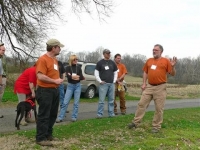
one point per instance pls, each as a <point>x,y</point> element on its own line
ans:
<point>31,102</point>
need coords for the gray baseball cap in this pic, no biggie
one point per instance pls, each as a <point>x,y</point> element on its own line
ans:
<point>106,51</point>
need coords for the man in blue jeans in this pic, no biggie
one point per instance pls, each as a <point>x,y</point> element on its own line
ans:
<point>106,74</point>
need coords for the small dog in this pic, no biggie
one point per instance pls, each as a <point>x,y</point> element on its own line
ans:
<point>25,107</point>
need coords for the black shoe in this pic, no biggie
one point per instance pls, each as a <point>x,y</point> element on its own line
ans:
<point>1,116</point>
<point>116,113</point>
<point>51,138</point>
<point>131,125</point>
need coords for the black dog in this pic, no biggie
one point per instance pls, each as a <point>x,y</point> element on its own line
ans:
<point>25,107</point>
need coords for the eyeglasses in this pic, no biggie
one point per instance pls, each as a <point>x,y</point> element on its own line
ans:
<point>156,50</point>
<point>75,59</point>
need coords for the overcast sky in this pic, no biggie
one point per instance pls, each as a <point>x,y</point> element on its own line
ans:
<point>135,26</point>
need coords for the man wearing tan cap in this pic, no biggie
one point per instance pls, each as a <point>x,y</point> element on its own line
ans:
<point>47,94</point>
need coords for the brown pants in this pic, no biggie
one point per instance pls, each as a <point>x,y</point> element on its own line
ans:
<point>121,94</point>
<point>158,94</point>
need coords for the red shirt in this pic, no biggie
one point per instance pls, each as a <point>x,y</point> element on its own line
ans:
<point>22,83</point>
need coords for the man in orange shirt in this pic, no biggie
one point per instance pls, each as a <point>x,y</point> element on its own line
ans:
<point>119,88</point>
<point>47,94</point>
<point>155,71</point>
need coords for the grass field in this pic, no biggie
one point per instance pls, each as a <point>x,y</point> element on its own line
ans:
<point>180,131</point>
<point>133,92</point>
<point>174,91</point>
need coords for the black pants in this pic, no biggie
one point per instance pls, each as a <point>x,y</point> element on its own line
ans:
<point>48,101</point>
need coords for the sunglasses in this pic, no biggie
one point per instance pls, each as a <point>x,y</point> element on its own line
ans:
<point>75,59</point>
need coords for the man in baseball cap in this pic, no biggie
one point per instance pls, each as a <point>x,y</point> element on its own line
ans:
<point>107,51</point>
<point>1,44</point>
<point>48,81</point>
<point>54,42</point>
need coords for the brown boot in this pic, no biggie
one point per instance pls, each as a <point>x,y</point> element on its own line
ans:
<point>44,143</point>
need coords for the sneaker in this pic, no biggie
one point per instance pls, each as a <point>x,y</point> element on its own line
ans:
<point>73,120</point>
<point>44,143</point>
<point>29,120</point>
<point>23,123</point>
<point>51,138</point>
<point>99,117</point>
<point>131,125</point>
<point>58,121</point>
<point>1,116</point>
<point>111,116</point>
<point>154,130</point>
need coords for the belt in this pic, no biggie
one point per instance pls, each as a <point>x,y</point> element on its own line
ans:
<point>48,87</point>
<point>157,84</point>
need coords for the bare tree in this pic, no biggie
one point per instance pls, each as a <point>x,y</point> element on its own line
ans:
<point>134,64</point>
<point>94,56</point>
<point>25,23</point>
<point>81,56</point>
<point>103,7</point>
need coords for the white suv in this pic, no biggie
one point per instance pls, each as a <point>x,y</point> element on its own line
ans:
<point>89,86</point>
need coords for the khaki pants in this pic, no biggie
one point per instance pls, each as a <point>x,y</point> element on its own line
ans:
<point>158,94</point>
<point>121,94</point>
<point>2,88</point>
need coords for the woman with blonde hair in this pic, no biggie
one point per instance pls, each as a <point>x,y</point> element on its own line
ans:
<point>74,76</point>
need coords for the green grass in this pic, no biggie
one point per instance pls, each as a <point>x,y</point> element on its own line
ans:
<point>9,95</point>
<point>180,131</point>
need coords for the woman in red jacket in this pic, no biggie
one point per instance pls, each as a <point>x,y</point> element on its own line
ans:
<point>25,87</point>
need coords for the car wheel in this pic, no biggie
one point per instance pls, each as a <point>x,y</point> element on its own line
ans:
<point>90,93</point>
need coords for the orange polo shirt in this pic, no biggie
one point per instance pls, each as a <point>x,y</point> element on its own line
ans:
<point>47,66</point>
<point>157,70</point>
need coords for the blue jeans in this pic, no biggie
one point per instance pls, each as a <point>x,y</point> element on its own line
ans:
<point>62,93</point>
<point>106,89</point>
<point>72,89</point>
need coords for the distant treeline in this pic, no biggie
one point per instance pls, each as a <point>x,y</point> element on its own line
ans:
<point>188,69</point>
